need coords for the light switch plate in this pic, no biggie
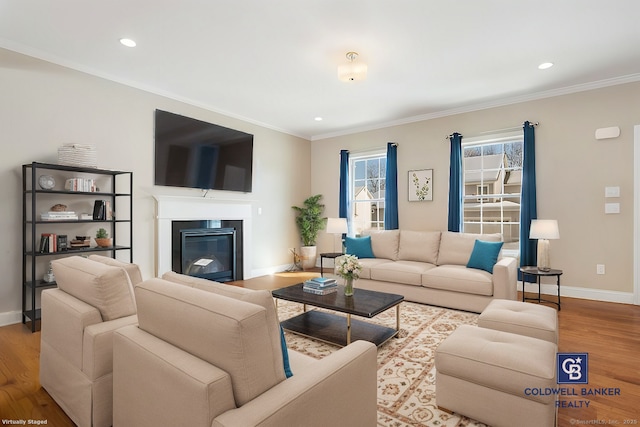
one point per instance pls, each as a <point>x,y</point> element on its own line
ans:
<point>612,192</point>
<point>612,208</point>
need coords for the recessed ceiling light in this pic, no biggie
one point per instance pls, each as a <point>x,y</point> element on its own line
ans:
<point>545,65</point>
<point>128,42</point>
<point>318,119</point>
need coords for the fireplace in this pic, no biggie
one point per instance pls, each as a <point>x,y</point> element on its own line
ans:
<point>211,249</point>
<point>198,213</point>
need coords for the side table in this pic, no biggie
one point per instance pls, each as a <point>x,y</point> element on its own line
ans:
<point>330,255</point>
<point>538,274</point>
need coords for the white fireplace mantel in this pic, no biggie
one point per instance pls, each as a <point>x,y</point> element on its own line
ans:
<point>181,208</point>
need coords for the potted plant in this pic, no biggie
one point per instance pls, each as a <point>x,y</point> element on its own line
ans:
<point>102,238</point>
<point>309,221</point>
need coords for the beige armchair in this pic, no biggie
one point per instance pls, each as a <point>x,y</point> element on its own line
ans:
<point>203,355</point>
<point>94,297</point>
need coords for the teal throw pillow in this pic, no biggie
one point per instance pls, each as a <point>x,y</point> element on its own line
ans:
<point>285,355</point>
<point>484,255</point>
<point>359,246</point>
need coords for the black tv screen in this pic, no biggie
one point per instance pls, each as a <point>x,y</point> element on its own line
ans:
<point>196,154</point>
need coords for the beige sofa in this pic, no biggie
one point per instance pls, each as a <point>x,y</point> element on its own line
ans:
<point>208,354</point>
<point>430,267</point>
<point>94,297</point>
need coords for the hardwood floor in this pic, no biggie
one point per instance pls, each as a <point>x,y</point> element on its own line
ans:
<point>608,332</point>
<point>21,397</point>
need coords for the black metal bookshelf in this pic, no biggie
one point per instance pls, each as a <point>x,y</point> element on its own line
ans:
<point>32,195</point>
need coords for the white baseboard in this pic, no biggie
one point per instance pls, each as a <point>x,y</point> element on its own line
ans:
<point>584,293</point>
<point>10,318</point>
<point>269,270</point>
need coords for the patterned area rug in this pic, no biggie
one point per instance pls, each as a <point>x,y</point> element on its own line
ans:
<point>406,369</point>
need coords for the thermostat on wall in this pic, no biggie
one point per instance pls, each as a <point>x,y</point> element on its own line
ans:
<point>607,133</point>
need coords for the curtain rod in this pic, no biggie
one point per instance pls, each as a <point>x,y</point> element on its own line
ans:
<point>511,129</point>
<point>370,150</point>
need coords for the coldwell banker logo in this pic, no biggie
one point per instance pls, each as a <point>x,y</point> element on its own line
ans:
<point>573,368</point>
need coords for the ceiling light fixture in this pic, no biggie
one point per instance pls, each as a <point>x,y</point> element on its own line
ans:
<point>128,42</point>
<point>352,71</point>
<point>545,65</point>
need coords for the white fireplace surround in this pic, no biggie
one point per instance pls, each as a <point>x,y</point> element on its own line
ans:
<point>180,208</point>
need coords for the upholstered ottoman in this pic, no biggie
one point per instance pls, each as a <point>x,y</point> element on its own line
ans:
<point>496,377</point>
<point>533,320</point>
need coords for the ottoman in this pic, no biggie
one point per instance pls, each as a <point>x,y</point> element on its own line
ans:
<point>496,377</point>
<point>533,320</point>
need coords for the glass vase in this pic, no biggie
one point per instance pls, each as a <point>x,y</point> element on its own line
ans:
<point>348,287</point>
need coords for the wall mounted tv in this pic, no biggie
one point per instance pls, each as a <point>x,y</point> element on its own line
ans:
<point>196,154</point>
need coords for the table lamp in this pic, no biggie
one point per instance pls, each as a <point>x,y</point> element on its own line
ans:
<point>543,230</point>
<point>336,226</point>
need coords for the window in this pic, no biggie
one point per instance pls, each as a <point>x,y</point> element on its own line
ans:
<point>367,190</point>
<point>492,172</point>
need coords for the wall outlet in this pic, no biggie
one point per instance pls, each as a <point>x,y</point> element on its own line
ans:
<point>600,269</point>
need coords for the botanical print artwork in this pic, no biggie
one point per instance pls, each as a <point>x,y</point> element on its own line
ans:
<point>420,185</point>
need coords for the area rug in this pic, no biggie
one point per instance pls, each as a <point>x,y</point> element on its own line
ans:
<point>406,369</point>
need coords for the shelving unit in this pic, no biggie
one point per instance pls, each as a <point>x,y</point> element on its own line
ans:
<point>116,186</point>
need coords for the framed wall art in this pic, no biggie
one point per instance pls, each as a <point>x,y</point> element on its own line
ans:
<point>420,185</point>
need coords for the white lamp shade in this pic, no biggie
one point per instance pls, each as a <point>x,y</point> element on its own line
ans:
<point>352,72</point>
<point>544,229</point>
<point>336,225</point>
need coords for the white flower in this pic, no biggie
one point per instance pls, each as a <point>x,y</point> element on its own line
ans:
<point>349,267</point>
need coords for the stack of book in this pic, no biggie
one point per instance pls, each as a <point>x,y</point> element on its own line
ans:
<point>59,216</point>
<point>320,286</point>
<point>80,242</point>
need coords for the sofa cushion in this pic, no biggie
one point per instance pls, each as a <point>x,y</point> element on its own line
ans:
<point>419,246</point>
<point>132,269</point>
<point>405,272</point>
<point>368,263</point>
<point>484,255</point>
<point>263,298</point>
<point>458,278</point>
<point>456,248</point>
<point>102,286</point>
<point>385,243</point>
<point>230,334</point>
<point>359,246</point>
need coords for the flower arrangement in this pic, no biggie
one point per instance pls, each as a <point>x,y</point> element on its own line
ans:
<point>349,267</point>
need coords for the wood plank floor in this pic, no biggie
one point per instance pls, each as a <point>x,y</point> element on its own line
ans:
<point>609,332</point>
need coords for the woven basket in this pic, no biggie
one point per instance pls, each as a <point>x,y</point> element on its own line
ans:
<point>78,155</point>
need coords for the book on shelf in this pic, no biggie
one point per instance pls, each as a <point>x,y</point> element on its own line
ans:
<point>48,243</point>
<point>317,291</point>
<point>51,242</point>
<point>58,216</point>
<point>99,210</point>
<point>86,185</point>
<point>62,242</point>
<point>79,242</point>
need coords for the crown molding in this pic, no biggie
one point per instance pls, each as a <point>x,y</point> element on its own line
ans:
<point>631,78</point>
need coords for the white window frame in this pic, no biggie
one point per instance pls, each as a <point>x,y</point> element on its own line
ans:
<point>482,199</point>
<point>355,228</point>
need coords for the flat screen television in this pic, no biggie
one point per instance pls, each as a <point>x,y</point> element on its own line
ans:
<point>196,154</point>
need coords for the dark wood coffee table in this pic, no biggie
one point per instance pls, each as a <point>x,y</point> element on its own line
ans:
<point>338,329</point>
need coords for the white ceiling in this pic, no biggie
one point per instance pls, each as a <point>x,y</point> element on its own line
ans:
<point>274,62</point>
